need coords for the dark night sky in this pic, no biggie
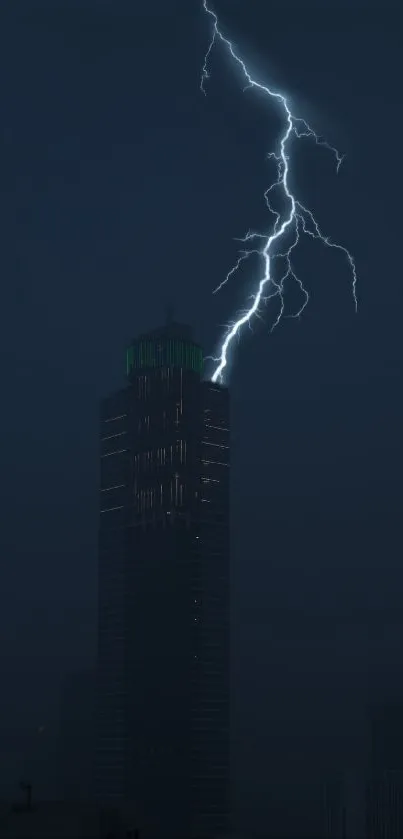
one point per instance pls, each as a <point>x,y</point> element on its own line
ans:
<point>122,186</point>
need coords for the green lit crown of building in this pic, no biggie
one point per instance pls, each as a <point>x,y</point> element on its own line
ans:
<point>170,346</point>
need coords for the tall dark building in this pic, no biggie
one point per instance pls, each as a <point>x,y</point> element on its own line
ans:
<point>164,564</point>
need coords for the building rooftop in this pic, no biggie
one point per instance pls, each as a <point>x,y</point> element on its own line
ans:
<point>171,329</point>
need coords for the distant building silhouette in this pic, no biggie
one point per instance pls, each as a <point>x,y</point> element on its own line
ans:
<point>334,814</point>
<point>55,820</point>
<point>384,804</point>
<point>76,737</point>
<point>163,634</point>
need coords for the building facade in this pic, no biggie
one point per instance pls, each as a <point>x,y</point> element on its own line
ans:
<point>164,564</point>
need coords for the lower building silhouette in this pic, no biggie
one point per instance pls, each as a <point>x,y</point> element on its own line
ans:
<point>384,797</point>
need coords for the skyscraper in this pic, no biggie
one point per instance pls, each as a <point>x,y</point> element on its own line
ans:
<point>163,651</point>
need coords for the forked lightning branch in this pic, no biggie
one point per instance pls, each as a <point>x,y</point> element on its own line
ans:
<point>287,227</point>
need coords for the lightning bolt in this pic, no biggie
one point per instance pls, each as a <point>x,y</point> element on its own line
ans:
<point>297,220</point>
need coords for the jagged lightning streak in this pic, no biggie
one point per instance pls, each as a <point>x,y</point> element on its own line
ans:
<point>296,221</point>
